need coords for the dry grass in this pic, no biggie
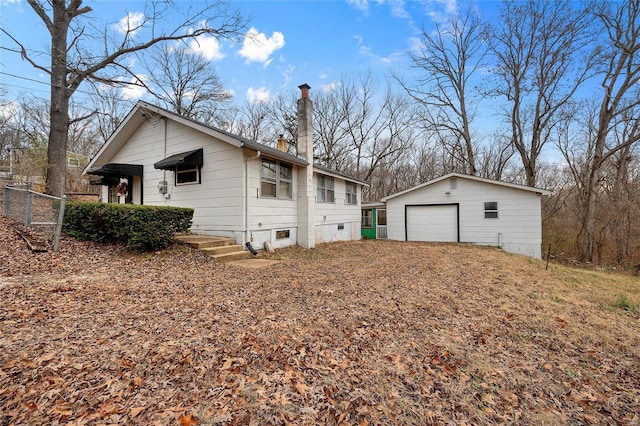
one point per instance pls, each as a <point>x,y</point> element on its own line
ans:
<point>370,332</point>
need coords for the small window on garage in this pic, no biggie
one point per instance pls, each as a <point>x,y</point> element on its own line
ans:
<point>340,226</point>
<point>453,183</point>
<point>491,210</point>
<point>282,234</point>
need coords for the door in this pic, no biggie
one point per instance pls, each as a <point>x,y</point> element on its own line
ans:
<point>432,223</point>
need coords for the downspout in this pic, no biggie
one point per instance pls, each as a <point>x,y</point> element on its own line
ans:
<point>164,171</point>
<point>247,237</point>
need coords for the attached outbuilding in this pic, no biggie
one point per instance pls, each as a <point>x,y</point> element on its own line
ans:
<point>468,209</point>
<point>374,221</point>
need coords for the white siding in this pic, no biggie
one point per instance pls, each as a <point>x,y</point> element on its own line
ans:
<point>223,198</point>
<point>517,228</point>
<point>269,215</point>
<point>217,201</point>
<point>330,217</point>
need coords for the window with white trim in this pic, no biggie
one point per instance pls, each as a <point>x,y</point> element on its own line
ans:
<point>187,174</point>
<point>276,179</point>
<point>351,193</point>
<point>491,210</point>
<point>325,192</point>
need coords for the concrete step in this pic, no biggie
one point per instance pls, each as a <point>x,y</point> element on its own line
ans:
<point>213,251</point>
<point>205,241</point>
<point>228,257</point>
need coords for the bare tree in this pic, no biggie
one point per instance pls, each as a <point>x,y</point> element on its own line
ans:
<point>622,203</point>
<point>329,129</point>
<point>111,109</point>
<point>494,158</point>
<point>185,82</point>
<point>618,119</point>
<point>448,62</point>
<point>542,59</point>
<point>376,133</point>
<point>251,121</point>
<point>73,61</point>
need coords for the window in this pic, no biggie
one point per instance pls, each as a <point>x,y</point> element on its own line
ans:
<point>276,179</point>
<point>340,226</point>
<point>187,174</point>
<point>382,217</point>
<point>73,162</point>
<point>367,218</point>
<point>282,234</point>
<point>491,210</point>
<point>351,194</point>
<point>453,183</point>
<point>325,193</point>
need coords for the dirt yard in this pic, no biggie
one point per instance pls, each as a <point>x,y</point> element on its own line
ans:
<point>358,333</point>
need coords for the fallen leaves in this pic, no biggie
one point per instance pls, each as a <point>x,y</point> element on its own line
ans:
<point>327,336</point>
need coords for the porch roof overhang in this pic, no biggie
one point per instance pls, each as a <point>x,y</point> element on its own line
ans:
<point>116,170</point>
<point>105,180</point>
<point>189,158</point>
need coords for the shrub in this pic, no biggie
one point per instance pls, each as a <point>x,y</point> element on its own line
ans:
<point>141,228</point>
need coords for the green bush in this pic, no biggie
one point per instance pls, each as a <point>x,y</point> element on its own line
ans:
<point>141,228</point>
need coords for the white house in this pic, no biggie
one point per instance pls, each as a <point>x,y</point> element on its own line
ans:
<point>237,187</point>
<point>468,209</point>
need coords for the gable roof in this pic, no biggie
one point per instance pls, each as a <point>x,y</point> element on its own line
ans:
<point>144,111</point>
<point>473,178</point>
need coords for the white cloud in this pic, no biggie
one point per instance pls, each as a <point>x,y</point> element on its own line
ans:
<point>258,48</point>
<point>287,73</point>
<point>397,6</point>
<point>207,47</point>
<point>130,23</point>
<point>439,10</point>
<point>332,86</point>
<point>260,94</point>
<point>398,10</point>
<point>8,2</point>
<point>132,91</point>
<point>362,5</point>
<point>394,57</point>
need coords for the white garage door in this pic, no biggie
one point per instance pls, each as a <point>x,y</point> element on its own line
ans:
<point>432,223</point>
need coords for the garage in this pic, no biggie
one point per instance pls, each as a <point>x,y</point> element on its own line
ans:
<point>438,223</point>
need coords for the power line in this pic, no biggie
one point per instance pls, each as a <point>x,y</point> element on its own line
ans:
<point>35,81</point>
<point>46,84</point>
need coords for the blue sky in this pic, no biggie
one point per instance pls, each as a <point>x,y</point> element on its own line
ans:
<point>314,42</point>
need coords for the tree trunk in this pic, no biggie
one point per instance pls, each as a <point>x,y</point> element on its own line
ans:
<point>59,113</point>
<point>622,222</point>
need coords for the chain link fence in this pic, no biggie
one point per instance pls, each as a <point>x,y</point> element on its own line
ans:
<point>22,203</point>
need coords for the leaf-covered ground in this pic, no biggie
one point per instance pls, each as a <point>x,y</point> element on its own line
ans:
<point>357,333</point>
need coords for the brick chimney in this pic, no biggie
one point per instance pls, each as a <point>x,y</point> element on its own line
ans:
<point>282,144</point>
<point>305,125</point>
<point>306,189</point>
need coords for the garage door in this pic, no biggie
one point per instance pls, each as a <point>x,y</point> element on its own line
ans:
<point>432,223</point>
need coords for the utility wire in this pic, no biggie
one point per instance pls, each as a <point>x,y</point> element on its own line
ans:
<point>46,84</point>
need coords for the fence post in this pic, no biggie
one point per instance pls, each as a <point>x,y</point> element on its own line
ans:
<point>56,240</point>
<point>6,201</point>
<point>27,207</point>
